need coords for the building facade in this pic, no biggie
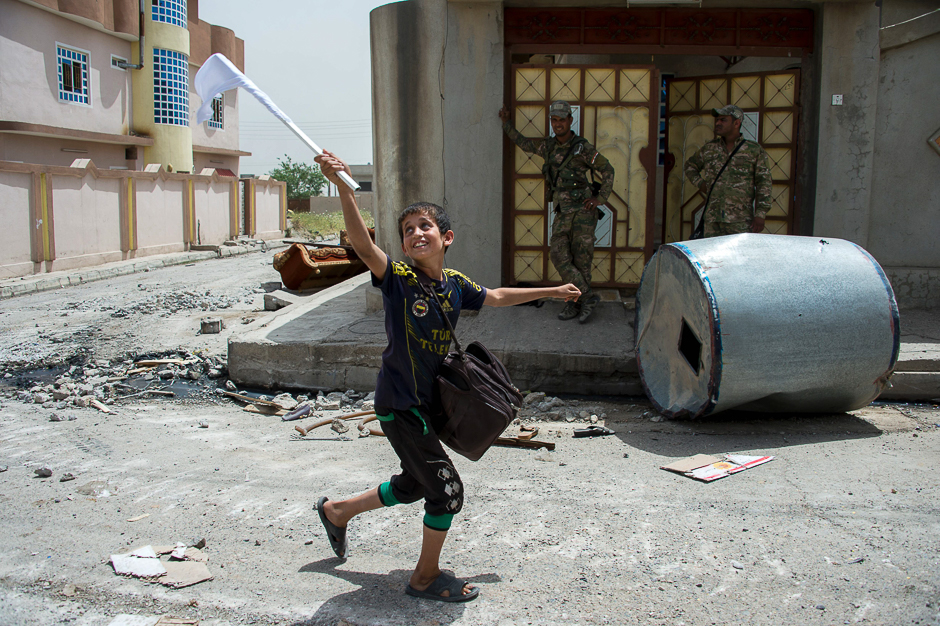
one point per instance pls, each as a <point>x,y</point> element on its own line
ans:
<point>840,94</point>
<point>73,84</point>
<point>100,158</point>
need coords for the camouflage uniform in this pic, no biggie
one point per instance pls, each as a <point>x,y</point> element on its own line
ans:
<point>572,243</point>
<point>743,191</point>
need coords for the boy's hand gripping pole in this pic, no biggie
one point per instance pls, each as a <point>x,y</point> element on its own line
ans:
<point>218,75</point>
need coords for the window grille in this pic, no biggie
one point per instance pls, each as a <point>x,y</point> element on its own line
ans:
<point>217,108</point>
<point>73,75</point>
<point>169,12</point>
<point>170,87</point>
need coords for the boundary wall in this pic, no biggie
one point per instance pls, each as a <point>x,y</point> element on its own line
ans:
<point>61,218</point>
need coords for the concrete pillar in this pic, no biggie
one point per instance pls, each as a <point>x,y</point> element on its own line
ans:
<point>437,85</point>
<point>473,138</point>
<point>849,66</point>
<point>407,41</point>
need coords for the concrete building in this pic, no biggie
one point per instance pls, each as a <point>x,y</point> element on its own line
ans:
<point>100,159</point>
<point>72,85</point>
<point>840,93</point>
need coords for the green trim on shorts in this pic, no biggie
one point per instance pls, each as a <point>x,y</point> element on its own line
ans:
<point>438,522</point>
<point>386,496</point>
<point>385,418</point>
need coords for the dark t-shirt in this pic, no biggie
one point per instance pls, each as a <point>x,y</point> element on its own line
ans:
<point>418,337</point>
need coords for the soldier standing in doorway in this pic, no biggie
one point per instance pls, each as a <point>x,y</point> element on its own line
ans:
<point>568,159</point>
<point>733,174</point>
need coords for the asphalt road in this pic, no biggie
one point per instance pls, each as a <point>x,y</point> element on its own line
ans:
<point>843,526</point>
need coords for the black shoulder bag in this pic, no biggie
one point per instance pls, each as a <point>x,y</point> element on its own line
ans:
<point>699,232</point>
<point>477,399</point>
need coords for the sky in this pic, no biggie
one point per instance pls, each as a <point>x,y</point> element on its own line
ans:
<point>312,58</point>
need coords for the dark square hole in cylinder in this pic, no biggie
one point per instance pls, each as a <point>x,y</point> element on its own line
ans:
<point>690,348</point>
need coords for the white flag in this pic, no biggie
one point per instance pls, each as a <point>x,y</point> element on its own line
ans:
<point>218,75</point>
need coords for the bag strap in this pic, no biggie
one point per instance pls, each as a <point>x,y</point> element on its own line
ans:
<point>427,286</point>
<point>722,171</point>
<point>555,173</point>
<point>701,226</point>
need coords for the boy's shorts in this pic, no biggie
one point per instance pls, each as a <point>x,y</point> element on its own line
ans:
<point>427,471</point>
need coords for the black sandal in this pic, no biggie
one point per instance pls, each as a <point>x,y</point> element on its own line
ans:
<point>445,582</point>
<point>334,533</point>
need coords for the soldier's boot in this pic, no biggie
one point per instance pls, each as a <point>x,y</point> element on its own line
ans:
<point>570,311</point>
<point>587,308</point>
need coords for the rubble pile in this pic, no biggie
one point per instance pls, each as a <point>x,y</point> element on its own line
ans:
<point>99,382</point>
<point>167,304</point>
<point>542,408</point>
<point>286,403</point>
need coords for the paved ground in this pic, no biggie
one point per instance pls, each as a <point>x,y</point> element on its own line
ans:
<point>842,527</point>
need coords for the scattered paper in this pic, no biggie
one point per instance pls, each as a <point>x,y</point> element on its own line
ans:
<point>708,468</point>
<point>142,563</point>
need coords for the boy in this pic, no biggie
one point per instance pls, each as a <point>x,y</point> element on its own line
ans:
<point>418,340</point>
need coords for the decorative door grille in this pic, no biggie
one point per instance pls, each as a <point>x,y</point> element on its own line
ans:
<point>770,101</point>
<point>616,111</point>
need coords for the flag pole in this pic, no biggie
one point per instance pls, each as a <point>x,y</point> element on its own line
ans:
<point>218,75</point>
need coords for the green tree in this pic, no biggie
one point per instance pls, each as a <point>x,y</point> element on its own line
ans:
<point>302,180</point>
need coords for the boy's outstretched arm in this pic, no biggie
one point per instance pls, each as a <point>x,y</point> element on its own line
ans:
<point>508,296</point>
<point>372,255</point>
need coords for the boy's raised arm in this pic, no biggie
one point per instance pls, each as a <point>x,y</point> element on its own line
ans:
<point>372,255</point>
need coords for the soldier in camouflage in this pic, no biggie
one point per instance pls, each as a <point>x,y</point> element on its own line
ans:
<point>568,159</point>
<point>740,199</point>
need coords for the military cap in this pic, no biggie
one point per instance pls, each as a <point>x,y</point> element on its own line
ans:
<point>729,109</point>
<point>559,108</point>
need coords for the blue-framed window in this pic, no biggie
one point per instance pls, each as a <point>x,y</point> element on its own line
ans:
<point>73,75</point>
<point>169,12</point>
<point>170,87</point>
<point>218,105</point>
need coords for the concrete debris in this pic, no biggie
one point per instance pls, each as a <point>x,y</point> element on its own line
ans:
<point>43,472</point>
<point>67,477</point>
<point>56,417</point>
<point>203,423</point>
<point>4,468</point>
<point>285,401</point>
<point>210,326</point>
<point>184,566</point>
<point>339,426</point>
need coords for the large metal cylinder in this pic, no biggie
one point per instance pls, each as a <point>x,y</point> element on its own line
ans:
<point>764,323</point>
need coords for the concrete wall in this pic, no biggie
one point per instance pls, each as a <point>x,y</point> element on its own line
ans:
<point>59,218</point>
<point>212,200</point>
<point>16,234</point>
<point>905,190</point>
<point>49,151</point>
<point>268,211</point>
<point>323,204</point>
<point>849,66</point>
<point>29,84</point>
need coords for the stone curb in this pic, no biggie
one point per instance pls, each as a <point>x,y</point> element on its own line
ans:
<point>17,287</point>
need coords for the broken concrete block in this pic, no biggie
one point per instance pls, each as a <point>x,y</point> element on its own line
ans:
<point>278,300</point>
<point>211,326</point>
